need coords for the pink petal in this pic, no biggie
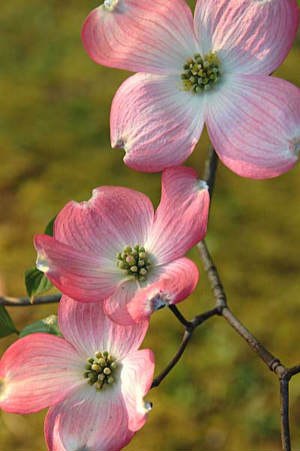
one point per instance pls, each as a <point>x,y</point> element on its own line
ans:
<point>174,283</point>
<point>141,36</point>
<point>254,125</point>
<point>90,330</point>
<point>113,218</point>
<point>106,420</point>
<point>89,421</point>
<point>137,377</point>
<point>75,273</point>
<point>181,217</point>
<point>156,121</point>
<point>115,307</point>
<point>37,371</point>
<point>250,36</point>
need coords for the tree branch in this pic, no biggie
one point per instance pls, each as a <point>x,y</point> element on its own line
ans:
<point>211,166</point>
<point>190,327</point>
<point>25,302</point>
<point>284,374</point>
<point>284,414</point>
<point>187,324</point>
<point>185,340</point>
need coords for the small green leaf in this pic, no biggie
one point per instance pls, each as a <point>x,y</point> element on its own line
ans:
<point>47,325</point>
<point>50,226</point>
<point>7,326</point>
<point>36,283</point>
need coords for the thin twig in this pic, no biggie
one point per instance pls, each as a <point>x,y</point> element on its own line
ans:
<point>199,319</point>
<point>213,275</point>
<point>186,338</point>
<point>190,326</point>
<point>210,171</point>
<point>284,414</point>
<point>293,371</point>
<point>284,374</point>
<point>269,359</point>
<point>187,324</point>
<point>25,302</point>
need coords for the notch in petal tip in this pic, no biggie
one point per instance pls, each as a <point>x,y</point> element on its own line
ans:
<point>119,144</point>
<point>160,300</point>
<point>110,5</point>
<point>203,185</point>
<point>148,406</point>
<point>42,263</point>
<point>297,148</point>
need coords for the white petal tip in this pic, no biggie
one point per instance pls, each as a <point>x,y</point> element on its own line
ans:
<point>42,263</point>
<point>87,203</point>
<point>120,143</point>
<point>297,149</point>
<point>110,5</point>
<point>148,406</point>
<point>160,300</point>
<point>202,185</point>
<point>294,146</point>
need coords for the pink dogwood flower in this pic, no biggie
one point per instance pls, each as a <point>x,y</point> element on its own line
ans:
<point>113,248</point>
<point>94,379</point>
<point>212,69</point>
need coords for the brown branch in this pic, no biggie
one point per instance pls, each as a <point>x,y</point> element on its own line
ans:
<point>284,414</point>
<point>284,374</point>
<point>25,302</point>
<point>187,324</point>
<point>213,275</point>
<point>211,166</point>
<point>190,327</point>
<point>185,340</point>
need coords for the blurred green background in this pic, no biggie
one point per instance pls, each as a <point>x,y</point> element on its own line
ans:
<point>55,147</point>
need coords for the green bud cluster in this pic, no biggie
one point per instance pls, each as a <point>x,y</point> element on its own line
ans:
<point>200,74</point>
<point>100,369</point>
<point>134,261</point>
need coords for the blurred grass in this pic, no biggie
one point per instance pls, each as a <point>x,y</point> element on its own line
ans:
<point>55,147</point>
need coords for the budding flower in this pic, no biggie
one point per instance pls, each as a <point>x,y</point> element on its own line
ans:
<point>134,269</point>
<point>130,260</point>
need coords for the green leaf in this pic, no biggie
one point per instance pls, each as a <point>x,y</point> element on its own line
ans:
<point>50,226</point>
<point>7,326</point>
<point>36,283</point>
<point>47,325</point>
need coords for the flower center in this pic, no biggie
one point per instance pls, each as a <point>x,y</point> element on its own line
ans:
<point>134,261</point>
<point>201,74</point>
<point>100,369</point>
<point>110,5</point>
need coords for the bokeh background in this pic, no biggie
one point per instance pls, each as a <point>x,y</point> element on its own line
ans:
<point>55,147</point>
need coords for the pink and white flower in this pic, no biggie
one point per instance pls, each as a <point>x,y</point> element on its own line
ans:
<point>113,248</point>
<point>212,69</point>
<point>94,379</point>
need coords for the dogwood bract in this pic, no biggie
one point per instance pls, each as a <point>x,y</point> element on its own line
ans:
<point>212,70</point>
<point>94,379</point>
<point>113,248</point>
